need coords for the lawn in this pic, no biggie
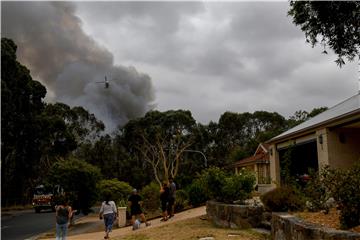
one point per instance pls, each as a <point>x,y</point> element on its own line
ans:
<point>193,229</point>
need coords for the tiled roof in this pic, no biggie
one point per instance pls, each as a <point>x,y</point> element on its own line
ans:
<point>252,160</point>
<point>345,108</point>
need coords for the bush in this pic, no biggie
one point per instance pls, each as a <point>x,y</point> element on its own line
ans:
<point>223,187</point>
<point>118,191</point>
<point>283,199</point>
<point>316,193</point>
<point>237,187</point>
<point>78,178</point>
<point>197,193</point>
<point>181,200</point>
<point>344,187</point>
<point>213,178</point>
<point>151,197</point>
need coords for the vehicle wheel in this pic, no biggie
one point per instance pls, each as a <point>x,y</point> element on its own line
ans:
<point>37,210</point>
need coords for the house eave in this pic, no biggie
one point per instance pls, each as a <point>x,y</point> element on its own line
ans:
<point>350,116</point>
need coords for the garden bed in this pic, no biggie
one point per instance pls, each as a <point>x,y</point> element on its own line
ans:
<point>330,220</point>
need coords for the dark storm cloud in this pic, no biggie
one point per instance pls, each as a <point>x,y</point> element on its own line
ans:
<point>216,56</point>
<point>208,57</point>
<point>165,16</point>
<point>53,45</point>
<point>149,28</point>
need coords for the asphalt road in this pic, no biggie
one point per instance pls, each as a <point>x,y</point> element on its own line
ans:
<point>25,224</point>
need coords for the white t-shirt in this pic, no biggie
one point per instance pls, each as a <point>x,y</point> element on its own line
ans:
<point>108,208</point>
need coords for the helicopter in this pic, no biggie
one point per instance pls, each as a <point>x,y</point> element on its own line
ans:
<point>106,83</point>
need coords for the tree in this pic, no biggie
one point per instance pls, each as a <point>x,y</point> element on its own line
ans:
<point>34,135</point>
<point>239,134</point>
<point>301,116</point>
<point>81,124</point>
<point>336,23</point>
<point>21,106</point>
<point>161,138</point>
<point>63,130</point>
<point>77,178</point>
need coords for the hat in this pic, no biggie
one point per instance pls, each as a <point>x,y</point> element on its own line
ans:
<point>134,190</point>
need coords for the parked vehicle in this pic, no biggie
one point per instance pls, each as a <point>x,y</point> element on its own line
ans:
<point>45,197</point>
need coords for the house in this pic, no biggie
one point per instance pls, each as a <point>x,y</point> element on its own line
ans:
<point>330,138</point>
<point>258,163</point>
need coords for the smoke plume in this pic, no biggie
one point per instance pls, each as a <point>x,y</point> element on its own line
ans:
<point>52,44</point>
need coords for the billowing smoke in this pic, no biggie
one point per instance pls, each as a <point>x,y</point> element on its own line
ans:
<point>52,44</point>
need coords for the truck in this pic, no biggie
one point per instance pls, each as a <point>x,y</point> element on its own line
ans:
<point>45,197</point>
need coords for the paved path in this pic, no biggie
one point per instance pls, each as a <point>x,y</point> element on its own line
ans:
<point>195,212</point>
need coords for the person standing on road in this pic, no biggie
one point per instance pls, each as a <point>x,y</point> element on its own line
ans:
<point>172,195</point>
<point>135,202</point>
<point>108,211</point>
<point>164,199</point>
<point>63,216</point>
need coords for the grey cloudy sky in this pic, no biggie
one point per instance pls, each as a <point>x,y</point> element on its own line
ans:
<point>212,57</point>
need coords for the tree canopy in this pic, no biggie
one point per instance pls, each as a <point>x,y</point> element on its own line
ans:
<point>332,23</point>
<point>34,135</point>
<point>161,138</point>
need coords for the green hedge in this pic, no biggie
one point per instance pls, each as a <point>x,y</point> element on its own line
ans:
<point>118,191</point>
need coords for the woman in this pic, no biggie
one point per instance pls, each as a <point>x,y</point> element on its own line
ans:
<point>63,215</point>
<point>164,198</point>
<point>108,211</point>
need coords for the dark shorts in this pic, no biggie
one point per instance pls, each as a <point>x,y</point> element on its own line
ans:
<point>135,211</point>
<point>171,201</point>
<point>164,206</point>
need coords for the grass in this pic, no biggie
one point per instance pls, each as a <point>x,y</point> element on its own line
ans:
<point>193,229</point>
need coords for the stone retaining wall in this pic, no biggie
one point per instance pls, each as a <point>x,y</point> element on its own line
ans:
<point>234,216</point>
<point>288,227</point>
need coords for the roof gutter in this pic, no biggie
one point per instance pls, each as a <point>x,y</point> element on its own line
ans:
<point>313,127</point>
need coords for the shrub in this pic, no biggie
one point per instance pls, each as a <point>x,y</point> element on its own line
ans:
<point>181,200</point>
<point>77,178</point>
<point>197,193</point>
<point>213,178</point>
<point>227,188</point>
<point>316,193</point>
<point>283,199</point>
<point>237,187</point>
<point>344,187</point>
<point>118,190</point>
<point>151,197</point>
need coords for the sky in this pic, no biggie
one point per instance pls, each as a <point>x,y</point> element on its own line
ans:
<point>206,57</point>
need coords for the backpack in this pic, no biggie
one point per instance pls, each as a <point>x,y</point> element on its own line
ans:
<point>62,215</point>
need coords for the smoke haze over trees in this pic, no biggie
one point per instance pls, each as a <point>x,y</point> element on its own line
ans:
<point>52,44</point>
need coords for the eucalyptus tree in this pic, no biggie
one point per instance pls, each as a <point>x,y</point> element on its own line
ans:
<point>334,23</point>
<point>34,134</point>
<point>161,138</point>
<point>239,134</point>
<point>21,105</point>
<point>301,116</point>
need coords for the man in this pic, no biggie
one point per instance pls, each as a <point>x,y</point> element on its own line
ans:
<point>172,195</point>
<point>135,208</point>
